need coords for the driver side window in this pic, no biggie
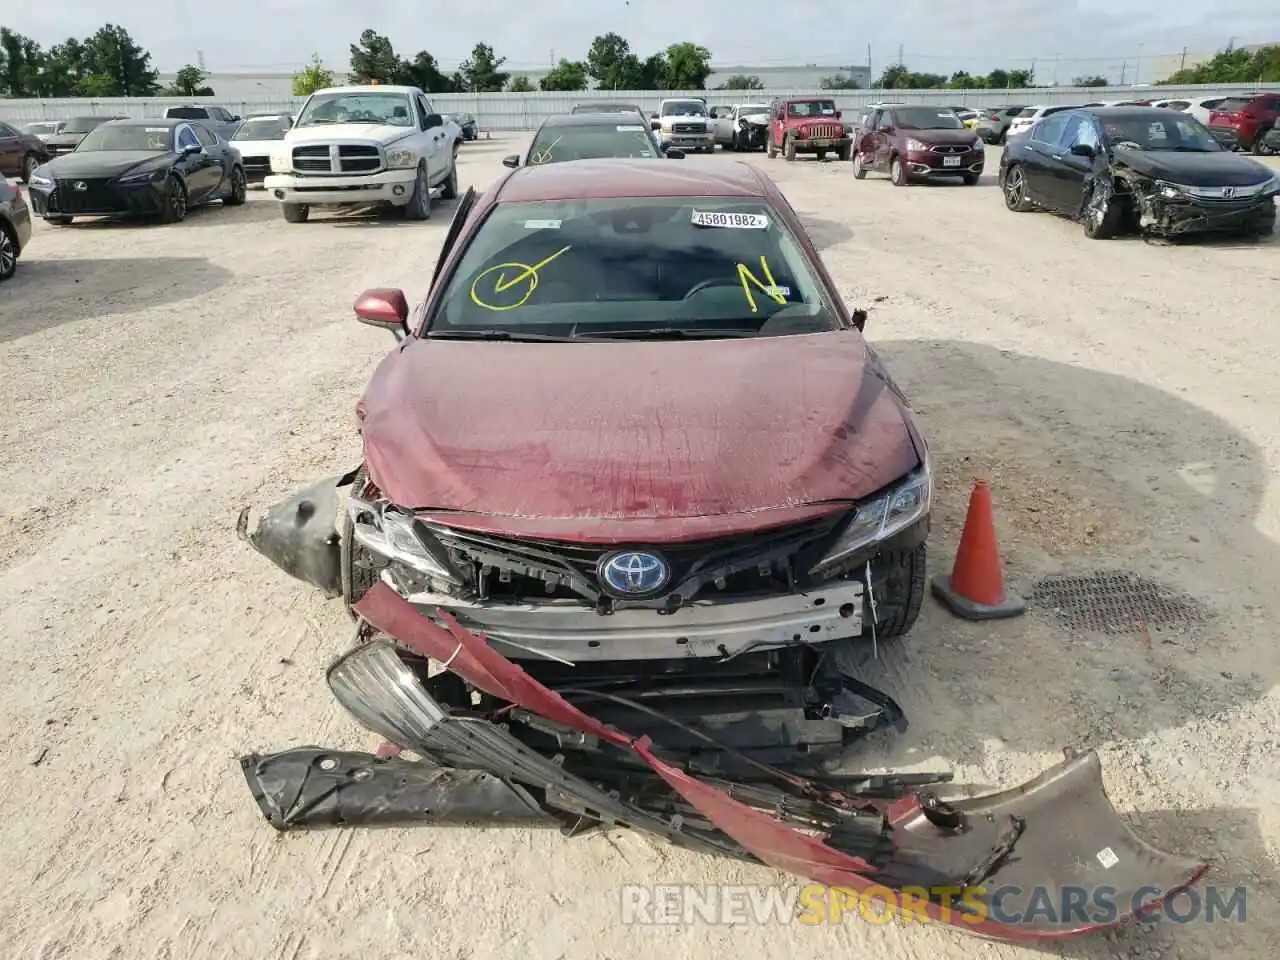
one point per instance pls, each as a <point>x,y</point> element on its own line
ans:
<point>206,135</point>
<point>422,112</point>
<point>187,138</point>
<point>1080,130</point>
<point>1049,130</point>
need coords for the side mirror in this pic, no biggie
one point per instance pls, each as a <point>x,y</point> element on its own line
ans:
<point>653,116</point>
<point>235,118</point>
<point>859,318</point>
<point>839,114</point>
<point>655,125</point>
<point>386,308</point>
<point>885,128</point>
<point>1082,150</point>
<point>191,148</point>
<point>432,121</point>
<point>674,154</point>
<point>511,160</point>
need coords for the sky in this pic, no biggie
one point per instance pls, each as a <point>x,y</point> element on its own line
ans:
<point>280,35</point>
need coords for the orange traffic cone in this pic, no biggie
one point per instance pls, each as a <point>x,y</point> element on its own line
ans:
<point>975,588</point>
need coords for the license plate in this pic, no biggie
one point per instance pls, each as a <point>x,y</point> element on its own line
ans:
<point>951,161</point>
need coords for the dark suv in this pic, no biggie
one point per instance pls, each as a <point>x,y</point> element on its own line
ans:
<point>913,142</point>
<point>1243,122</point>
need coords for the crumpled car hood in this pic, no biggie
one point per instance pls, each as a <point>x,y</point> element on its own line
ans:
<point>636,430</point>
<point>1217,169</point>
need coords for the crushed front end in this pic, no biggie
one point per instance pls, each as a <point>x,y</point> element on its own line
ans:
<point>497,746</point>
<point>1165,209</point>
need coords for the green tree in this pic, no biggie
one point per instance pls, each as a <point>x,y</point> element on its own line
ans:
<point>21,64</point>
<point>63,69</point>
<point>740,81</point>
<point>482,72</point>
<point>311,78</point>
<point>519,84</point>
<point>1021,79</point>
<point>423,71</point>
<point>687,66</point>
<point>837,81</point>
<point>95,85</point>
<point>112,53</point>
<point>566,75</point>
<point>1236,65</point>
<point>898,77</point>
<point>374,59</point>
<point>189,82</point>
<point>1097,80</point>
<point>612,65</point>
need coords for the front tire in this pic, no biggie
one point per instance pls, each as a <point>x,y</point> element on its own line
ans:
<point>419,206</point>
<point>859,171</point>
<point>8,252</point>
<point>356,564</point>
<point>901,597</point>
<point>789,149</point>
<point>771,151</point>
<point>239,189</point>
<point>1015,190</point>
<point>1101,216</point>
<point>295,212</point>
<point>898,172</point>
<point>29,164</point>
<point>845,153</point>
<point>173,205</point>
<point>451,183</point>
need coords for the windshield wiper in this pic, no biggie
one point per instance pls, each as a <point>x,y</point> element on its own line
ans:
<point>668,333</point>
<point>493,334</point>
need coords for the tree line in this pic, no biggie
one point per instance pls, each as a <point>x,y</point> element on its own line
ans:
<point>1233,65</point>
<point>107,63</point>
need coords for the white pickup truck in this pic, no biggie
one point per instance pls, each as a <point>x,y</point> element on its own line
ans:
<point>682,122</point>
<point>365,146</point>
<point>744,126</point>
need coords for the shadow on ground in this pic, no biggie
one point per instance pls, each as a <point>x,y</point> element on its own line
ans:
<point>88,289</point>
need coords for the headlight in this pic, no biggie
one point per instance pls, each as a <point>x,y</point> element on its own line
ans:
<point>1170,191</point>
<point>382,693</point>
<point>977,144</point>
<point>40,181</point>
<point>281,162</point>
<point>392,534</point>
<point>1271,186</point>
<point>915,145</point>
<point>402,159</point>
<point>895,510</point>
<point>146,176</point>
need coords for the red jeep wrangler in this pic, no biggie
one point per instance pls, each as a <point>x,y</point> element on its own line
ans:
<point>807,125</point>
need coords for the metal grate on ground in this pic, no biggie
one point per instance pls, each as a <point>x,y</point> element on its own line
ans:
<point>1117,602</point>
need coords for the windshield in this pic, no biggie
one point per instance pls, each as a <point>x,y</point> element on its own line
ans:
<point>606,108</point>
<point>811,108</point>
<point>555,144</point>
<point>1178,132</point>
<point>187,113</point>
<point>133,136</point>
<point>747,109</point>
<point>40,126</point>
<point>1232,105</point>
<point>262,128</point>
<point>394,109</point>
<point>1029,111</point>
<point>926,118</point>
<point>83,124</point>
<point>587,267</point>
<point>684,108</point>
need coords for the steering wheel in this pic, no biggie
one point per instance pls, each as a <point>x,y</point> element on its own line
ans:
<point>709,283</point>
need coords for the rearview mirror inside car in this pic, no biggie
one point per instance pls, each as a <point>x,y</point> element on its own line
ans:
<point>1082,150</point>
<point>511,160</point>
<point>674,154</point>
<point>384,307</point>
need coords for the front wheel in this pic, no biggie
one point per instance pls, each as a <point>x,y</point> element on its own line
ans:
<point>29,164</point>
<point>859,171</point>
<point>8,252</point>
<point>295,212</point>
<point>1015,190</point>
<point>898,172</point>
<point>173,203</point>
<point>239,189</point>
<point>1103,213</point>
<point>789,149</point>
<point>1260,148</point>
<point>450,191</point>
<point>419,205</point>
<point>900,596</point>
<point>845,152</point>
<point>771,151</point>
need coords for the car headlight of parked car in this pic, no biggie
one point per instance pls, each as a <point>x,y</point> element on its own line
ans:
<point>392,534</point>
<point>281,161</point>
<point>1271,186</point>
<point>891,512</point>
<point>915,146</point>
<point>143,176</point>
<point>40,180</point>
<point>402,159</point>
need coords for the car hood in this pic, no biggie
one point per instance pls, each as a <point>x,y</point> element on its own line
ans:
<point>64,139</point>
<point>1216,169</point>
<point>329,132</point>
<point>681,434</point>
<point>940,136</point>
<point>103,163</point>
<point>756,118</point>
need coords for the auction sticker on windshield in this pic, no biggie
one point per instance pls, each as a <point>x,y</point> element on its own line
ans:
<point>735,221</point>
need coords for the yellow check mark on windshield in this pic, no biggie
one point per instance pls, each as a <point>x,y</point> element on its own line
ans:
<point>523,273</point>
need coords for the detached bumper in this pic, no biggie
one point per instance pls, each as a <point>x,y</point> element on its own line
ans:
<point>389,186</point>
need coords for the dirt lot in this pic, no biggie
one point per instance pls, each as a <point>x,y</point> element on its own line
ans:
<point>1120,395</point>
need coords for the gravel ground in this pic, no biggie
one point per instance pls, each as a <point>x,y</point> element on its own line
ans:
<point>1119,395</point>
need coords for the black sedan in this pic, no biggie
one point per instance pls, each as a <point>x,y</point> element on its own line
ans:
<point>591,136</point>
<point>150,167</point>
<point>71,132</point>
<point>1144,169</point>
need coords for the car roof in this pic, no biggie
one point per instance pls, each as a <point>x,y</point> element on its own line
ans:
<point>149,122</point>
<point>597,119</point>
<point>1127,112</point>
<point>620,178</point>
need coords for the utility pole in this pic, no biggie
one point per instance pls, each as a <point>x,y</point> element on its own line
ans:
<point>870,80</point>
<point>1123,69</point>
<point>200,59</point>
<point>1182,64</point>
<point>899,54</point>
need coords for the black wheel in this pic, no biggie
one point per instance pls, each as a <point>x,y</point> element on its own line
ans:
<point>899,599</point>
<point>788,149</point>
<point>845,152</point>
<point>239,188</point>
<point>451,184</point>
<point>59,221</point>
<point>1015,190</point>
<point>295,212</point>
<point>1102,215</point>
<point>1260,148</point>
<point>29,164</point>
<point>8,252</point>
<point>1001,137</point>
<point>770,150</point>
<point>173,205</point>
<point>822,155</point>
<point>419,205</point>
<point>898,172</point>
<point>859,171</point>
<point>970,179</point>
<point>359,568</point>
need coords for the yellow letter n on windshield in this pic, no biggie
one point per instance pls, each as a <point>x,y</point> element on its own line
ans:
<point>769,289</point>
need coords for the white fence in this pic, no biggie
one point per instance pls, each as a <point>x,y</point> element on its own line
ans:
<point>524,111</point>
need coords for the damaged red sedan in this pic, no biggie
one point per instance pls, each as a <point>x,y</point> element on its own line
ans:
<point>632,480</point>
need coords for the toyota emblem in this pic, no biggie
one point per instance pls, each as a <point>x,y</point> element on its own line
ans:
<point>80,186</point>
<point>631,573</point>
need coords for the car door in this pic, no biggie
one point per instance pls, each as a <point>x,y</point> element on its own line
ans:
<point>431,143</point>
<point>11,151</point>
<point>1038,165</point>
<point>886,130</point>
<point>193,165</point>
<point>776,123</point>
<point>217,161</point>
<point>1068,171</point>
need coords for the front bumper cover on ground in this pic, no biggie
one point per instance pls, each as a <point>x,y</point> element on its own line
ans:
<point>537,758</point>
